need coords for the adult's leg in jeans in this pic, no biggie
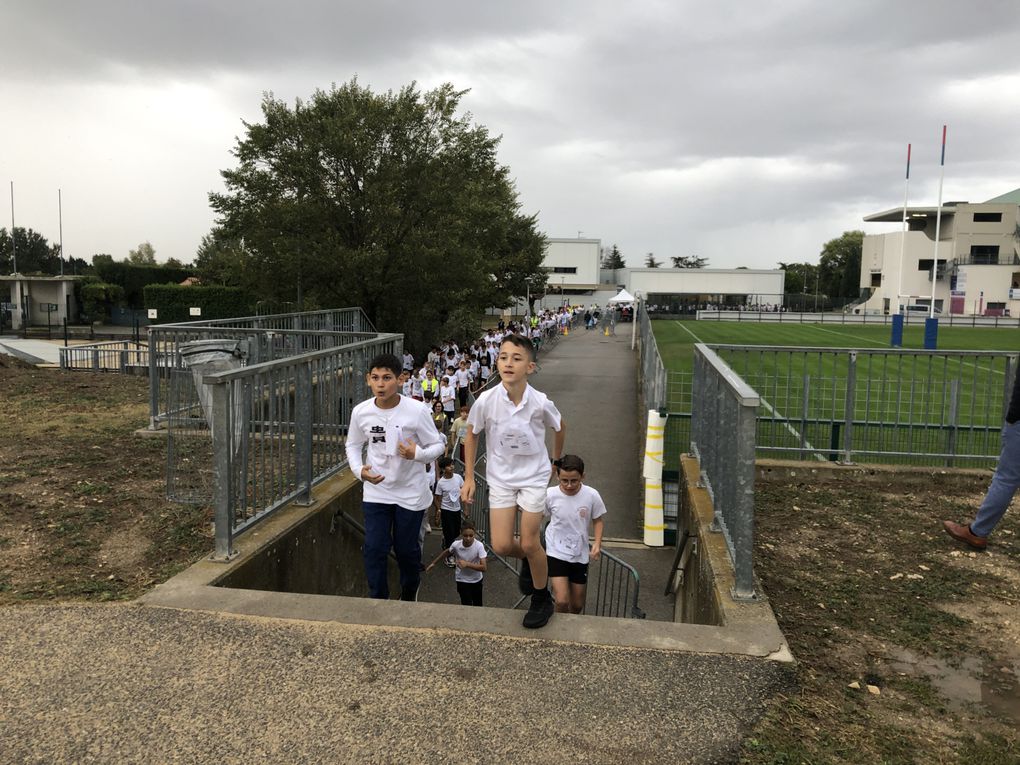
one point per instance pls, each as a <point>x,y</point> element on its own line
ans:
<point>406,524</point>
<point>1004,483</point>
<point>378,540</point>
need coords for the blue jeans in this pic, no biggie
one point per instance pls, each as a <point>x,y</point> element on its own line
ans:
<point>1005,482</point>
<point>387,526</point>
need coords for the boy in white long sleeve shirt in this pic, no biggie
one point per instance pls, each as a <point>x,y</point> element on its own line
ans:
<point>401,439</point>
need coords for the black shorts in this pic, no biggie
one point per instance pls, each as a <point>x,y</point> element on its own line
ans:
<point>576,573</point>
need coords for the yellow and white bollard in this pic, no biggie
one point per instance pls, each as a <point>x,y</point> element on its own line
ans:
<point>655,440</point>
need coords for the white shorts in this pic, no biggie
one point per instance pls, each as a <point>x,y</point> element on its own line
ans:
<point>530,499</point>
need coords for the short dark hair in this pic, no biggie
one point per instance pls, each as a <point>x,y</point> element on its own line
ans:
<point>521,342</point>
<point>445,462</point>
<point>387,361</point>
<point>467,524</point>
<point>571,462</point>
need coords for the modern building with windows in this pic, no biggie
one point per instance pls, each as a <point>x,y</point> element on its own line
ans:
<point>978,259</point>
<point>575,276</point>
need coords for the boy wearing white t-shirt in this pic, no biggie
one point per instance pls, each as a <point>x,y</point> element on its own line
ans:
<point>401,439</point>
<point>570,507</point>
<point>469,554</point>
<point>515,417</point>
<point>448,502</point>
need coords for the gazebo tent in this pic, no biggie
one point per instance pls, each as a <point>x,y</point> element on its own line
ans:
<point>621,297</point>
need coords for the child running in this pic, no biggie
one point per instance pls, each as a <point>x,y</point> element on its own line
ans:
<point>514,417</point>
<point>400,439</point>
<point>447,503</point>
<point>469,555</point>
<point>571,506</point>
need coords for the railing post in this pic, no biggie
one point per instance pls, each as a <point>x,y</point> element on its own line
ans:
<point>851,398</point>
<point>154,381</point>
<point>222,431</point>
<point>303,436</point>
<point>742,529</point>
<point>954,405</point>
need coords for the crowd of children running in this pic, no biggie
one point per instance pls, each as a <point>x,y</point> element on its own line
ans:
<point>409,435</point>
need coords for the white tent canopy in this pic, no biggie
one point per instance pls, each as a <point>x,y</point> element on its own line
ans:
<point>621,297</point>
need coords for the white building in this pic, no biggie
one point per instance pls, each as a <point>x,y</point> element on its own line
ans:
<point>38,300</point>
<point>978,259</point>
<point>575,276</point>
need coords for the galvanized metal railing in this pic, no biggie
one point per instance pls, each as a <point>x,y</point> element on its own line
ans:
<point>279,428</point>
<point>264,338</point>
<point>886,405</point>
<point>723,440</point>
<point>112,356</point>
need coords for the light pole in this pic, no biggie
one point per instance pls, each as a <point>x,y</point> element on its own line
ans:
<point>562,299</point>
<point>818,276</point>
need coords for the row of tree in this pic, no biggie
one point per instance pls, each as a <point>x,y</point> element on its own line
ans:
<point>612,258</point>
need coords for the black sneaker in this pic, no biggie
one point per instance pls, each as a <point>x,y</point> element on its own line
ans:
<point>524,582</point>
<point>541,610</point>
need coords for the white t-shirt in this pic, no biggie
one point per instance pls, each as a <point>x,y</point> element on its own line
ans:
<point>473,554</point>
<point>515,436</point>
<point>449,490</point>
<point>448,393</point>
<point>404,481</point>
<point>566,536</point>
<point>463,377</point>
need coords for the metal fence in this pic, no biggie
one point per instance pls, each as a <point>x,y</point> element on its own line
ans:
<point>823,317</point>
<point>113,356</point>
<point>277,429</point>
<point>263,338</point>
<point>723,439</point>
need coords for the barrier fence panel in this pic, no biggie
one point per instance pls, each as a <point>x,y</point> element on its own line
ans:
<point>723,439</point>
<point>111,356</point>
<point>277,429</point>
<point>264,338</point>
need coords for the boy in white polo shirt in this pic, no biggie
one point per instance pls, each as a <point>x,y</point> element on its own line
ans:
<point>571,506</point>
<point>515,417</point>
<point>401,439</point>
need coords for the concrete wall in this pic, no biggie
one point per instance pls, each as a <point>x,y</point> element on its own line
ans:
<point>705,597</point>
<point>303,556</point>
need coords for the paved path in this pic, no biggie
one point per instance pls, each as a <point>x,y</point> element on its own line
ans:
<point>139,683</point>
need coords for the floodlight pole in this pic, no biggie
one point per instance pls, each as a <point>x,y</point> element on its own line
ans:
<point>14,243</point>
<point>903,239</point>
<point>60,219</point>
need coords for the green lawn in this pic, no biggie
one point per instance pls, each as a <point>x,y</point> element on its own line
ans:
<point>901,404</point>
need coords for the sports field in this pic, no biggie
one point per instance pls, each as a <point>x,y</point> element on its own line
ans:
<point>878,404</point>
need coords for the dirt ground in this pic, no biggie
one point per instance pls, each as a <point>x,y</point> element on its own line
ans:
<point>866,586</point>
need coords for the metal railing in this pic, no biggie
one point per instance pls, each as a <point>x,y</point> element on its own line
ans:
<point>264,338</point>
<point>723,440</point>
<point>278,428</point>
<point>820,317</point>
<point>886,405</point>
<point>113,356</point>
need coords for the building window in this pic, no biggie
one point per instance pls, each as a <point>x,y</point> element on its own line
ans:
<point>992,306</point>
<point>562,270</point>
<point>924,264</point>
<point>876,280</point>
<point>987,217</point>
<point>984,254</point>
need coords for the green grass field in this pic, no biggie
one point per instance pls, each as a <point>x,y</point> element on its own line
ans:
<point>946,406</point>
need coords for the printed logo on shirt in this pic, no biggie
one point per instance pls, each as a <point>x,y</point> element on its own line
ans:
<point>378,434</point>
<point>582,513</point>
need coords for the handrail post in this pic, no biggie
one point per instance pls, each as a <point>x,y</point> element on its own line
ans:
<point>154,381</point>
<point>303,436</point>
<point>222,430</point>
<point>851,399</point>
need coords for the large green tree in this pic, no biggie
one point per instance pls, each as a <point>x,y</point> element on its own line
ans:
<point>34,254</point>
<point>840,265</point>
<point>393,202</point>
<point>688,261</point>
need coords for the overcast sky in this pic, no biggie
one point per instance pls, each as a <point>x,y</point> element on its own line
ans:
<point>746,133</point>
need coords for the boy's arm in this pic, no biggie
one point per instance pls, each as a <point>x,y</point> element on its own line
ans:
<point>467,491</point>
<point>596,548</point>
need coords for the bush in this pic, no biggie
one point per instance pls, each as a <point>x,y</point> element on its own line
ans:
<point>134,279</point>
<point>174,302</point>
<point>97,298</point>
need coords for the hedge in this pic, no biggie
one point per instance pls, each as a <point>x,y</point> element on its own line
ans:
<point>173,302</point>
<point>134,278</point>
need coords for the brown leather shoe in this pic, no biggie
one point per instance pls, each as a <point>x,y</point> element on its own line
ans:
<point>963,533</point>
